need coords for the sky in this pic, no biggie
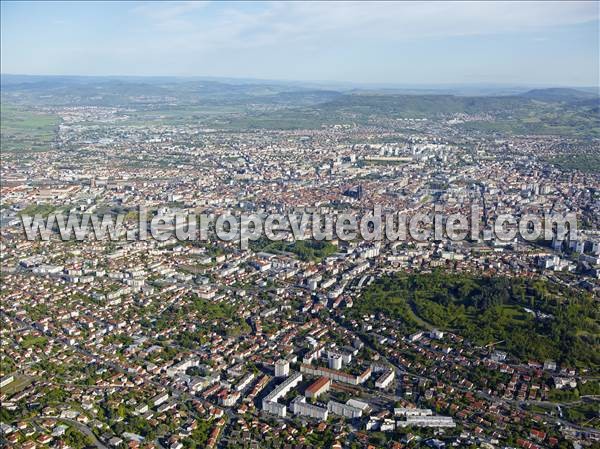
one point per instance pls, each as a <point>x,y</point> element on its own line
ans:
<point>401,43</point>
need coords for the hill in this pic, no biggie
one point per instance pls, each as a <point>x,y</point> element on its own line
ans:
<point>559,94</point>
<point>423,105</point>
<point>485,310</point>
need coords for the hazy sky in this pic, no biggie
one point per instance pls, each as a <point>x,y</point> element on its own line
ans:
<point>390,42</point>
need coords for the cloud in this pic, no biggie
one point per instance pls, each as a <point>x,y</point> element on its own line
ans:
<point>238,26</point>
<point>169,16</point>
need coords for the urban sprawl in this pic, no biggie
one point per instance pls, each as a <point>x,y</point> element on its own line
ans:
<point>334,343</point>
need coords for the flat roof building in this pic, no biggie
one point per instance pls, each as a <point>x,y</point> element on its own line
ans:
<point>299,406</point>
<point>270,404</point>
<point>345,410</point>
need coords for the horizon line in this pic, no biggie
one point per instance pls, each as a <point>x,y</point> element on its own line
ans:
<point>391,85</point>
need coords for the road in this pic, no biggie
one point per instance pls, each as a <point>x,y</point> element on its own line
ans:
<point>174,392</point>
<point>80,426</point>
<point>487,397</point>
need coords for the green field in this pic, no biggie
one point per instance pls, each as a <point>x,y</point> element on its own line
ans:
<point>39,209</point>
<point>26,130</point>
<point>306,250</point>
<point>19,384</point>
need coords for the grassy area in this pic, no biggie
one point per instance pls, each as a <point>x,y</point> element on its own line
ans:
<point>39,209</point>
<point>26,130</point>
<point>19,384</point>
<point>306,250</point>
<point>33,341</point>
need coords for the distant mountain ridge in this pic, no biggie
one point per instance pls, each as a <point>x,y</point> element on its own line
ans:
<point>276,105</point>
<point>559,94</point>
<point>122,91</point>
<point>12,81</point>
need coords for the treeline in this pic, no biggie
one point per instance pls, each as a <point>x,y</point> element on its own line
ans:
<point>588,163</point>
